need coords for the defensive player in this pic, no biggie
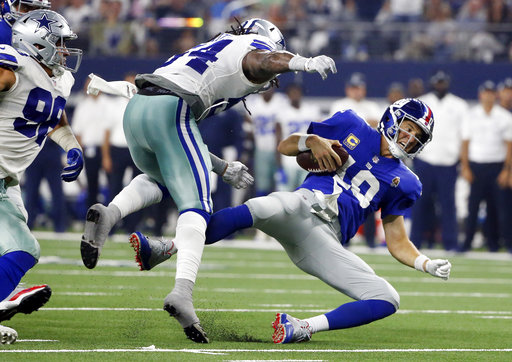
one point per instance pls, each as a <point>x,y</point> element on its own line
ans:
<point>35,82</point>
<point>161,131</point>
<point>313,222</point>
<point>34,297</point>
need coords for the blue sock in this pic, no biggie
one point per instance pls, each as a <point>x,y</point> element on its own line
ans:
<point>227,221</point>
<point>358,313</point>
<point>13,267</point>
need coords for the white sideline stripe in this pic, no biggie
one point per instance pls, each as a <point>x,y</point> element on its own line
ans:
<point>255,310</point>
<point>224,351</point>
<point>496,317</point>
<point>37,340</point>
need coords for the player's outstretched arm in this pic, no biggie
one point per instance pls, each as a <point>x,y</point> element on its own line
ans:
<point>319,146</point>
<point>64,137</point>
<point>405,252</point>
<point>261,66</point>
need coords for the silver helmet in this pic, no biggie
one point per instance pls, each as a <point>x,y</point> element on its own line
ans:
<point>43,35</point>
<point>266,29</point>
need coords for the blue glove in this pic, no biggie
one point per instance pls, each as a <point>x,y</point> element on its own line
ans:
<point>74,165</point>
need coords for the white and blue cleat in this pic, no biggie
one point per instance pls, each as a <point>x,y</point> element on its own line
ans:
<point>288,329</point>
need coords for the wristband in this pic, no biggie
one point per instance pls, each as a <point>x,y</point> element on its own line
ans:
<point>302,143</point>
<point>64,137</point>
<point>418,263</point>
<point>298,63</point>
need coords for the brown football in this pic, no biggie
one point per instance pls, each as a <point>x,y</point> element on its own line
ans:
<point>308,162</point>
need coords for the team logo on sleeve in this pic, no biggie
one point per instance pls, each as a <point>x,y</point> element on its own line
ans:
<point>351,141</point>
<point>395,182</point>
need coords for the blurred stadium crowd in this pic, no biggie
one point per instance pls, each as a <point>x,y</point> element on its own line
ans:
<point>478,30</point>
<point>348,30</point>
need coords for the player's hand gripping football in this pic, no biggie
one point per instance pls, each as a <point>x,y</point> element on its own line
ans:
<point>74,165</point>
<point>439,268</point>
<point>327,158</point>
<point>237,175</point>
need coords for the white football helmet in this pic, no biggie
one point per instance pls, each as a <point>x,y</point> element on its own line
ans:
<point>43,34</point>
<point>266,29</point>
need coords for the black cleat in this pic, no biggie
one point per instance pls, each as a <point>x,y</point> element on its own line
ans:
<point>194,332</point>
<point>90,254</point>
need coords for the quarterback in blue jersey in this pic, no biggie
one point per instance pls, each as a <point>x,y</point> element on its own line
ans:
<point>313,222</point>
<point>160,125</point>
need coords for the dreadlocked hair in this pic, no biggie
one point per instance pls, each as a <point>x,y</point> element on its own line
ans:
<point>238,30</point>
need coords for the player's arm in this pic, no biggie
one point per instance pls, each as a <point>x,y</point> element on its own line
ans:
<point>321,148</point>
<point>405,252</point>
<point>64,137</point>
<point>234,173</point>
<point>261,66</point>
<point>465,169</point>
<point>7,79</point>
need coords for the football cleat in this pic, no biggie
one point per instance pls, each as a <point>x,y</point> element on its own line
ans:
<point>7,335</point>
<point>98,223</point>
<point>181,309</point>
<point>151,252</point>
<point>288,329</point>
<point>24,301</point>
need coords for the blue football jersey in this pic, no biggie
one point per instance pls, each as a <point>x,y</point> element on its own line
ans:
<point>367,181</point>
<point>5,32</point>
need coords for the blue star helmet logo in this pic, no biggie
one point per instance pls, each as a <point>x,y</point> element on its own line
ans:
<point>44,22</point>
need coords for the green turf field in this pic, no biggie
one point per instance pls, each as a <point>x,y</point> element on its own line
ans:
<point>114,312</point>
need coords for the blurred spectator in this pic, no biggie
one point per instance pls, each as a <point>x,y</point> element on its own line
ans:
<point>265,109</point>
<point>89,127</point>
<point>415,88</point>
<point>355,92</point>
<point>48,166</point>
<point>111,34</point>
<point>505,100</point>
<point>294,117</point>
<point>78,13</point>
<point>395,92</point>
<point>487,135</point>
<point>436,166</point>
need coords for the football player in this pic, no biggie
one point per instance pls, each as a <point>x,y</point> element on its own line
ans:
<point>34,297</point>
<point>160,125</point>
<point>35,82</point>
<point>314,222</point>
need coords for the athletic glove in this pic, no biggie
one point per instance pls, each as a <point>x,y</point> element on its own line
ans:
<point>74,165</point>
<point>321,64</point>
<point>438,267</point>
<point>237,175</point>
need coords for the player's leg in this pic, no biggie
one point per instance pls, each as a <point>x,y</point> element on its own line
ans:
<point>184,168</point>
<point>19,251</point>
<point>445,179</point>
<point>313,245</point>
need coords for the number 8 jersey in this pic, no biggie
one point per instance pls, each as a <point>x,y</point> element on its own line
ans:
<point>28,111</point>
<point>368,181</point>
<point>209,77</point>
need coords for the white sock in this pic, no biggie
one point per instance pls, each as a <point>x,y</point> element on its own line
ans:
<point>318,323</point>
<point>141,192</point>
<point>190,237</point>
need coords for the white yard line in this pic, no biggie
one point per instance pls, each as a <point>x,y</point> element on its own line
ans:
<point>277,350</point>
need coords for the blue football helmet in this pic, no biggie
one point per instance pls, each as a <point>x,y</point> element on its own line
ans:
<point>406,109</point>
<point>266,29</point>
<point>13,9</point>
